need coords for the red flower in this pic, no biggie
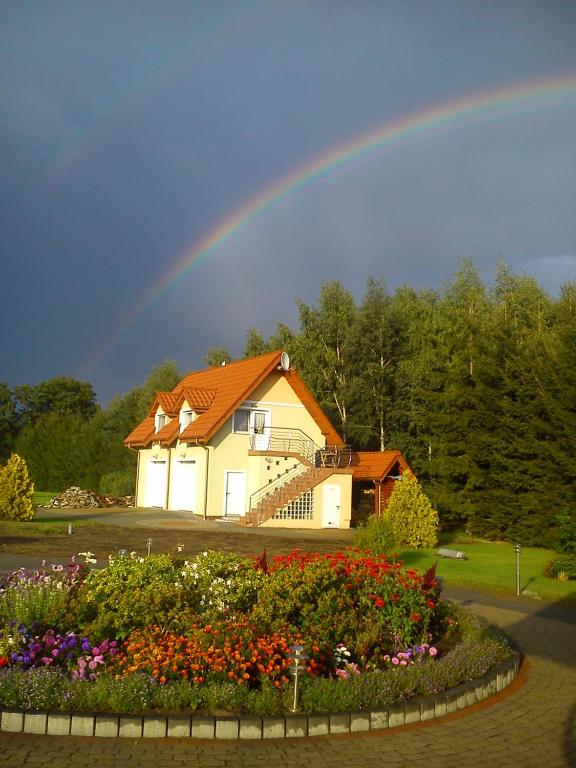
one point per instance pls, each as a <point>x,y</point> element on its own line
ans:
<point>379,602</point>
<point>3,661</point>
<point>415,617</point>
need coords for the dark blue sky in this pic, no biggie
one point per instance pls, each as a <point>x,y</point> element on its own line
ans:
<point>129,130</point>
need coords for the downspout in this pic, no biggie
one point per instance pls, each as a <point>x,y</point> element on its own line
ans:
<point>168,478</point>
<point>137,452</point>
<point>206,475</point>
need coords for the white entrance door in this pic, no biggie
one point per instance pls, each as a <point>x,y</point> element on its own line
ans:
<point>331,506</point>
<point>235,493</point>
<point>183,485</point>
<point>156,477</point>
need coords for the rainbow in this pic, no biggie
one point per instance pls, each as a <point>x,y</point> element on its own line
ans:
<point>489,104</point>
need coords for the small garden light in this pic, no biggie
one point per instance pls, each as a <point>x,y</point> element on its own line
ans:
<point>180,547</point>
<point>517,548</point>
<point>149,545</point>
<point>298,665</point>
<point>70,529</point>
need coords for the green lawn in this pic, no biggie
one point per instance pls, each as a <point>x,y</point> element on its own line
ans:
<point>42,497</point>
<point>492,567</point>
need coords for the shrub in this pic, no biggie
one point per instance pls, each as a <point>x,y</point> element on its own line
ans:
<point>41,597</point>
<point>377,536</point>
<point>118,484</point>
<point>217,584</point>
<point>368,603</point>
<point>562,564</point>
<point>131,592</point>
<point>410,515</point>
<point>16,490</point>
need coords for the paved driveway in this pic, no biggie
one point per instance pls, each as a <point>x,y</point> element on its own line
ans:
<point>533,726</point>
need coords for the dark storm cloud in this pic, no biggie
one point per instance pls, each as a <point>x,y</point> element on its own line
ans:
<point>129,130</point>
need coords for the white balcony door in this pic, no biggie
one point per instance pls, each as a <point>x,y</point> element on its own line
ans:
<point>260,429</point>
<point>235,493</point>
<point>331,506</point>
<point>156,477</point>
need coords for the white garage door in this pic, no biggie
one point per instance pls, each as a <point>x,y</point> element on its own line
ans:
<point>156,484</point>
<point>183,485</point>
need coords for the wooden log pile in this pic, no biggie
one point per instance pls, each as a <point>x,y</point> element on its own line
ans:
<point>78,498</point>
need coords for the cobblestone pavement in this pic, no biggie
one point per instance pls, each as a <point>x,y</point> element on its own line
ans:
<point>531,726</point>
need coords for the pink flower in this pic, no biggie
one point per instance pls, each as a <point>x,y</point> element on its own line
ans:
<point>433,651</point>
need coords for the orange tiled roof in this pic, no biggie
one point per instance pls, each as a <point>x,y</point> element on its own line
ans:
<point>197,399</point>
<point>372,465</point>
<point>167,400</point>
<point>216,393</point>
<point>142,434</point>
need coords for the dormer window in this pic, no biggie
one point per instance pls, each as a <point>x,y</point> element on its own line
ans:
<point>160,421</point>
<point>187,416</point>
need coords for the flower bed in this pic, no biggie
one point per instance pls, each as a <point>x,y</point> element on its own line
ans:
<point>213,634</point>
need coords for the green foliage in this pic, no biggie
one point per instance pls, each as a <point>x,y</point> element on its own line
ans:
<point>566,535</point>
<point>410,516</point>
<point>218,584</point>
<point>16,490</point>
<point>131,592</point>
<point>61,395</point>
<point>377,536</point>
<point>563,564</point>
<point>39,597</point>
<point>367,603</point>
<point>9,421</point>
<point>216,356</point>
<point>162,378</point>
<point>120,483</point>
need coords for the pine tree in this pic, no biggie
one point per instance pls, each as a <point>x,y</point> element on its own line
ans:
<point>16,490</point>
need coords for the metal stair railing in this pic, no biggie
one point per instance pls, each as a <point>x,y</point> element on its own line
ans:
<point>288,440</point>
<point>282,440</point>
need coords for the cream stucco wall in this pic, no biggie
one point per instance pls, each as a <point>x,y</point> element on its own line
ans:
<point>344,482</point>
<point>230,452</point>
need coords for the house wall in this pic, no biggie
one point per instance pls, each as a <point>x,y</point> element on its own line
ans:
<point>344,483</point>
<point>229,451</point>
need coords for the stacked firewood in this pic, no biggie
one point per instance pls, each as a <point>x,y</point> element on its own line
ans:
<point>77,498</point>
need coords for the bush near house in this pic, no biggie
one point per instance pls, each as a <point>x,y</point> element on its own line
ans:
<point>16,490</point>
<point>410,515</point>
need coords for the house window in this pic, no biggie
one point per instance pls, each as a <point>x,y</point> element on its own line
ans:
<point>160,421</point>
<point>301,508</point>
<point>242,420</point>
<point>186,418</point>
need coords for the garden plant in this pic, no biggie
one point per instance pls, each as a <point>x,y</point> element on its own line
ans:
<point>213,634</point>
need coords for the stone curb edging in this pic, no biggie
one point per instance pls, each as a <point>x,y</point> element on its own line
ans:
<point>248,727</point>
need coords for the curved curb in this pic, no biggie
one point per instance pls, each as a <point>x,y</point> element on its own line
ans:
<point>248,727</point>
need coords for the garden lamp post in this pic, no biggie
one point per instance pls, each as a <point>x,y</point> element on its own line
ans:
<point>517,548</point>
<point>297,657</point>
<point>149,545</point>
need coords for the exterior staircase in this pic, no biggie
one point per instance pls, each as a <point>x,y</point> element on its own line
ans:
<point>279,497</point>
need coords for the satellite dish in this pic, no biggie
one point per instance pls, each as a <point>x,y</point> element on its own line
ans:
<point>285,361</point>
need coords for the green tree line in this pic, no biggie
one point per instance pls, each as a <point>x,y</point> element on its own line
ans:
<point>475,384</point>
